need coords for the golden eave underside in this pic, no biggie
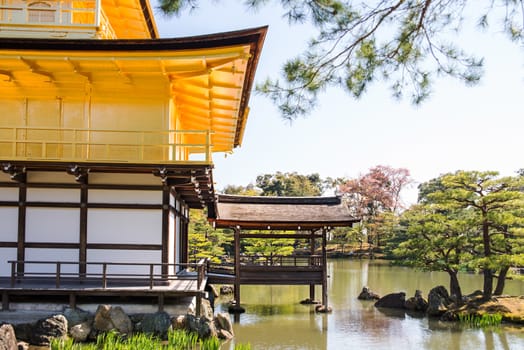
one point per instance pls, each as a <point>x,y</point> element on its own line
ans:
<point>130,19</point>
<point>205,85</point>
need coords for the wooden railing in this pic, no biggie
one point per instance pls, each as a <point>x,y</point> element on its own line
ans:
<point>300,261</point>
<point>282,260</point>
<point>78,13</point>
<point>97,145</point>
<point>103,274</point>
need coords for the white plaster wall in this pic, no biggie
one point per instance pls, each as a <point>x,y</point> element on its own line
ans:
<point>125,197</point>
<point>8,224</point>
<point>124,256</point>
<point>6,254</point>
<point>132,226</point>
<point>53,225</point>
<point>52,255</point>
<point>50,177</point>
<point>9,194</point>
<point>53,195</point>
<point>124,179</point>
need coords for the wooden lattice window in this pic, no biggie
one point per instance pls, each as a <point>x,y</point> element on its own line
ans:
<point>41,12</point>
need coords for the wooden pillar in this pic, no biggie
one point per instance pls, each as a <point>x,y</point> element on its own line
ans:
<point>324,270</point>
<point>236,308</point>
<point>237,265</point>
<point>5,301</point>
<point>161,302</point>
<point>166,243</point>
<point>312,252</point>
<point>72,301</point>
<point>22,210</point>
<point>82,254</point>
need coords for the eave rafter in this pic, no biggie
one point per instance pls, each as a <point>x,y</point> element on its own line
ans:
<point>17,173</point>
<point>8,74</point>
<point>77,70</point>
<point>123,74</point>
<point>35,69</point>
<point>195,186</point>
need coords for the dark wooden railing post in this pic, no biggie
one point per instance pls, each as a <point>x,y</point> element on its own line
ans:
<point>13,273</point>
<point>58,267</point>
<point>151,277</point>
<point>200,278</point>
<point>104,272</point>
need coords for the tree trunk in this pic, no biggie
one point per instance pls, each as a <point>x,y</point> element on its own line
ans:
<point>454,286</point>
<point>501,281</point>
<point>488,284</point>
<point>488,273</point>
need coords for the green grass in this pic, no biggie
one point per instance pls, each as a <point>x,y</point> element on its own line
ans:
<point>177,340</point>
<point>480,321</point>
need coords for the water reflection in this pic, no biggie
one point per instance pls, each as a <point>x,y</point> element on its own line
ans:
<point>274,319</point>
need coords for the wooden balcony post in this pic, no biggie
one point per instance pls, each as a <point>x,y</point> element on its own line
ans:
<point>324,270</point>
<point>312,263</point>
<point>58,267</point>
<point>151,278</point>
<point>237,264</point>
<point>104,272</point>
<point>13,273</point>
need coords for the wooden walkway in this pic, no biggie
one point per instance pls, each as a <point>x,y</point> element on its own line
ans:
<point>36,286</point>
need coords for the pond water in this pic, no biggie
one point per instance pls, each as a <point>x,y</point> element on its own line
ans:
<point>275,319</point>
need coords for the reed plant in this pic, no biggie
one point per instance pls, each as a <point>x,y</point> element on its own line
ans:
<point>480,321</point>
<point>176,340</point>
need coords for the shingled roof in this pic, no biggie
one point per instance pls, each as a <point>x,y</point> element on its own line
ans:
<point>281,213</point>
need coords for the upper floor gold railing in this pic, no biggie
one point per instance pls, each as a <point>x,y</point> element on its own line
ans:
<point>96,145</point>
<point>65,14</point>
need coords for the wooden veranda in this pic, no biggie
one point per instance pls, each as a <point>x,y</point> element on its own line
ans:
<point>103,281</point>
<point>307,218</point>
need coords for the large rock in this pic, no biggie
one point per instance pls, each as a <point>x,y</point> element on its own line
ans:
<point>23,331</point>
<point>206,328</point>
<point>157,324</point>
<point>416,303</point>
<point>45,330</point>
<point>392,301</point>
<point>438,301</point>
<point>179,322</point>
<point>191,323</point>
<point>223,334</point>
<point>7,338</point>
<point>223,322</point>
<point>109,318</point>
<point>368,294</point>
<point>80,332</point>
<point>77,316</point>
<point>226,289</point>
<point>206,310</point>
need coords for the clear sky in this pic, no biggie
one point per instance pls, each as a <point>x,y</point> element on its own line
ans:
<point>458,128</point>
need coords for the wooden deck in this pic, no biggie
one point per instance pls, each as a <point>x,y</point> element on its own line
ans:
<point>38,286</point>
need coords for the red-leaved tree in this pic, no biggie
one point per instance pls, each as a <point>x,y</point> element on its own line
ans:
<point>375,197</point>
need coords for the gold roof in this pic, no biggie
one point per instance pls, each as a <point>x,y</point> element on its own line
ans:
<point>209,78</point>
<point>131,19</point>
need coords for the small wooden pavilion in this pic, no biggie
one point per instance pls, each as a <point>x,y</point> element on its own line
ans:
<point>309,218</point>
